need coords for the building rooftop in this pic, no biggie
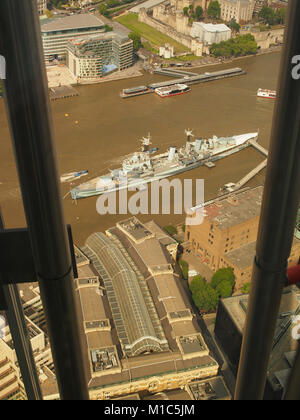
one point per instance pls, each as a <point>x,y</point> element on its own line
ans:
<point>210,27</point>
<point>134,320</point>
<point>284,345</point>
<point>243,256</point>
<point>210,389</point>
<point>235,209</point>
<point>147,5</point>
<point>135,229</point>
<point>115,316</point>
<point>78,21</point>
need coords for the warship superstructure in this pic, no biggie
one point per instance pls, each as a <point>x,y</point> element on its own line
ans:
<point>143,167</point>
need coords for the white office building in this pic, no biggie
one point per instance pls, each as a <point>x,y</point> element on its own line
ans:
<point>58,31</point>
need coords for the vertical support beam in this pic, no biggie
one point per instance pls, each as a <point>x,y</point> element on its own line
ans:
<point>28,105</point>
<point>293,387</point>
<point>277,222</point>
<point>18,330</point>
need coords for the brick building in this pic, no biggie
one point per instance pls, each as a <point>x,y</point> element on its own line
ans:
<point>227,236</point>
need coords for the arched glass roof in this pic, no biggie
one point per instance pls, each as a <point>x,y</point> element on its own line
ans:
<point>132,319</point>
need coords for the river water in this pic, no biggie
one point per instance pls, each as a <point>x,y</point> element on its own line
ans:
<point>110,128</point>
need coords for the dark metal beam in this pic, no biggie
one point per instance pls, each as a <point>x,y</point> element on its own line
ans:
<point>277,222</point>
<point>28,105</point>
<point>293,387</point>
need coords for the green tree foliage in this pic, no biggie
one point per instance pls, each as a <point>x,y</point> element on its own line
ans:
<point>224,289</point>
<point>239,46</point>
<point>108,28</point>
<point>184,269</point>
<point>198,13</point>
<point>206,298</point>
<point>245,289</point>
<point>197,283</point>
<point>223,274</point>
<point>113,3</point>
<point>137,44</point>
<point>58,3</point>
<point>186,11</point>
<point>214,10</point>
<point>234,26</point>
<point>271,17</point>
<point>103,10</point>
<point>267,15</point>
<point>170,229</point>
<point>280,15</point>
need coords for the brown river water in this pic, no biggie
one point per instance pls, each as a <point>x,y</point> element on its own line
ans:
<point>110,128</point>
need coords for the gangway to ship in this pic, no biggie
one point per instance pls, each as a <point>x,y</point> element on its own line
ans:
<point>231,187</point>
<point>250,175</point>
<point>259,147</point>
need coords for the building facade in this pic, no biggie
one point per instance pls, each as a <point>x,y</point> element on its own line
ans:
<point>227,236</point>
<point>92,56</point>
<point>11,384</point>
<point>239,10</point>
<point>42,6</point>
<point>57,32</point>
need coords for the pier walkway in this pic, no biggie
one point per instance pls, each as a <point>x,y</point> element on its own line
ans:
<point>61,92</point>
<point>250,175</point>
<point>234,187</point>
<point>174,73</point>
<point>259,147</point>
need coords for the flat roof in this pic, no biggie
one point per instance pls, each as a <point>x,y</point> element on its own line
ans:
<point>147,5</point>
<point>235,209</point>
<point>284,345</point>
<point>210,27</point>
<point>209,389</point>
<point>243,256</point>
<point>78,21</point>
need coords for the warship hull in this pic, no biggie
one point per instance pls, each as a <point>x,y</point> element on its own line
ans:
<point>97,186</point>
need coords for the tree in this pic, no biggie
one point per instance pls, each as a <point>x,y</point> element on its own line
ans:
<point>234,26</point>
<point>113,3</point>
<point>224,289</point>
<point>199,13</point>
<point>137,44</point>
<point>239,46</point>
<point>108,28</point>
<point>197,284</point>
<point>186,11</point>
<point>280,15</point>
<point>245,289</point>
<point>223,274</point>
<point>206,298</point>
<point>214,10</point>
<point>103,10</point>
<point>170,229</point>
<point>184,269</point>
<point>267,15</point>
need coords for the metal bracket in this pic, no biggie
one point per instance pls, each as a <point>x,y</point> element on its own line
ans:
<point>16,259</point>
